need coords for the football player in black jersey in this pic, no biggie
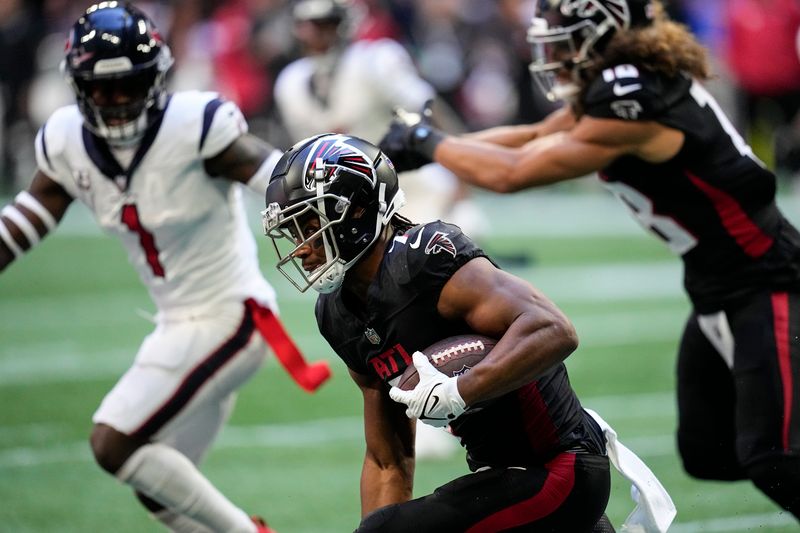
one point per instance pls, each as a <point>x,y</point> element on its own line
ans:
<point>637,113</point>
<point>389,289</point>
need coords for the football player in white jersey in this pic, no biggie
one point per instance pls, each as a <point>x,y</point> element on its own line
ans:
<point>352,87</point>
<point>163,173</point>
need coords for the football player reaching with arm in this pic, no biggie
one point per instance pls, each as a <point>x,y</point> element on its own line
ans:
<point>349,85</point>
<point>390,288</point>
<point>163,173</point>
<point>641,118</point>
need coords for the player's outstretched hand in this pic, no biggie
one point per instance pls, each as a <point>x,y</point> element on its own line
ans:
<point>411,139</point>
<point>435,400</point>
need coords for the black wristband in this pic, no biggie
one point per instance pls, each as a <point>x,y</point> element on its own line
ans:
<point>425,139</point>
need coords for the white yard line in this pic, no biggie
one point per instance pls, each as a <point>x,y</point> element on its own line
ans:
<point>609,282</point>
<point>349,430</point>
<point>306,435</point>
<point>545,212</point>
<point>729,524</point>
<point>52,362</point>
<point>55,361</point>
<point>597,282</point>
<point>344,429</point>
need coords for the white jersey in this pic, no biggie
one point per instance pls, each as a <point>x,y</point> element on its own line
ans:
<point>185,232</point>
<point>366,81</point>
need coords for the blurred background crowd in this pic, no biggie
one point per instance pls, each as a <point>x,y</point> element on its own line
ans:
<point>473,52</point>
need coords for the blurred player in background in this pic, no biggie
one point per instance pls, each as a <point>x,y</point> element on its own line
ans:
<point>637,113</point>
<point>352,87</point>
<point>163,173</point>
<point>389,288</point>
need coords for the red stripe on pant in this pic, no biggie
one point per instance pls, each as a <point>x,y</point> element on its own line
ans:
<point>780,310</point>
<point>557,487</point>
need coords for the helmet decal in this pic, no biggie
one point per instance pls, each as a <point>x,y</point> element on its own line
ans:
<point>344,156</point>
<point>614,9</point>
<point>334,193</point>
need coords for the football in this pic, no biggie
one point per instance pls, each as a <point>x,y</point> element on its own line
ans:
<point>452,356</point>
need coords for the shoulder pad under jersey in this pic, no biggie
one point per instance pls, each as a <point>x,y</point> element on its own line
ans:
<point>627,92</point>
<point>427,255</point>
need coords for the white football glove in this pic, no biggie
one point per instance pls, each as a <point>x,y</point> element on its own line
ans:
<point>435,400</point>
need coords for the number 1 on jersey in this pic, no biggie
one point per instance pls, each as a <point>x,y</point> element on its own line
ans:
<point>130,217</point>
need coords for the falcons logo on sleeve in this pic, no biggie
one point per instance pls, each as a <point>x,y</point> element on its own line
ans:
<point>440,242</point>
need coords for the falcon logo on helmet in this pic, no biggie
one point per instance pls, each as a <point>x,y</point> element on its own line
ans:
<point>349,186</point>
<point>330,157</point>
<point>613,9</point>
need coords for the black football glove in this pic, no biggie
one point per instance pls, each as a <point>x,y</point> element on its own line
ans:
<point>411,140</point>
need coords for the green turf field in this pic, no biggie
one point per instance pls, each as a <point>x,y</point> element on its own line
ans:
<point>69,327</point>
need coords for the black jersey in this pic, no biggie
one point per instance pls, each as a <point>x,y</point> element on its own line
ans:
<point>527,426</point>
<point>713,203</point>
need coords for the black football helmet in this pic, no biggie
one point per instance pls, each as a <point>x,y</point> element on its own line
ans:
<point>116,63</point>
<point>567,35</point>
<point>345,181</point>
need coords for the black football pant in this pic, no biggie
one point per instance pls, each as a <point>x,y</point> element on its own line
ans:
<point>568,495</point>
<point>743,421</point>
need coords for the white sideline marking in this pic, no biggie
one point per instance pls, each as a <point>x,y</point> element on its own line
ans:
<point>729,524</point>
<point>333,430</point>
<point>607,282</point>
<point>617,407</point>
<point>303,434</point>
<point>63,361</point>
<point>317,432</point>
<point>343,429</point>
<point>611,282</point>
<point>551,212</point>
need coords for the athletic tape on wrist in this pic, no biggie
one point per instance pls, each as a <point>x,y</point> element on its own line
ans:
<point>21,221</point>
<point>428,146</point>
<point>27,200</point>
<point>6,237</point>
